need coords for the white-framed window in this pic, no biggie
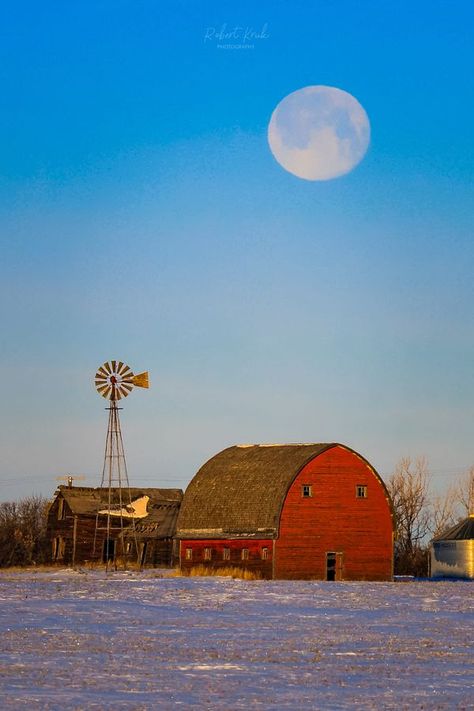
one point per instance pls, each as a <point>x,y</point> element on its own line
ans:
<point>306,491</point>
<point>189,554</point>
<point>207,553</point>
<point>245,554</point>
<point>264,553</point>
<point>361,491</point>
<point>226,554</point>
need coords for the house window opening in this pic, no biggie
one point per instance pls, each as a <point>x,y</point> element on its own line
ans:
<point>61,510</point>
<point>361,491</point>
<point>245,554</point>
<point>189,554</point>
<point>226,554</point>
<point>59,547</point>
<point>264,553</point>
<point>207,553</point>
<point>306,491</point>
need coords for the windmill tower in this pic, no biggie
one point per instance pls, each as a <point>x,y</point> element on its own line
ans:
<point>114,380</point>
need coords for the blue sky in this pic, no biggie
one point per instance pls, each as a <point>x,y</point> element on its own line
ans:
<point>143,217</point>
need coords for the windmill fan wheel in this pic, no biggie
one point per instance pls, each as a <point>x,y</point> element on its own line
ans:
<point>115,380</point>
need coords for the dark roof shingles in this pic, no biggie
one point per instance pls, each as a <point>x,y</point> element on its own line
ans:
<point>242,489</point>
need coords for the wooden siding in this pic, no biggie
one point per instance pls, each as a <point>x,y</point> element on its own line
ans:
<point>158,551</point>
<point>334,520</point>
<point>255,562</point>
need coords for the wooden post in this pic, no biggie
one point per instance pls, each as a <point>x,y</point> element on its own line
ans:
<point>74,536</point>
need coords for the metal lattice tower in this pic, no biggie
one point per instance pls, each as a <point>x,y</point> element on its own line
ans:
<point>114,380</point>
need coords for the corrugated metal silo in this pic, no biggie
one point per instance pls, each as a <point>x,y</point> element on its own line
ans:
<point>452,553</point>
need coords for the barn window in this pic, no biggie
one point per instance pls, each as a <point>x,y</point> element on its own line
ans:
<point>306,491</point>
<point>226,554</point>
<point>361,491</point>
<point>245,553</point>
<point>264,553</point>
<point>207,553</point>
<point>189,554</point>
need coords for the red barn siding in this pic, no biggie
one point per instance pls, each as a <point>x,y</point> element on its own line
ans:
<point>334,520</point>
<point>254,562</point>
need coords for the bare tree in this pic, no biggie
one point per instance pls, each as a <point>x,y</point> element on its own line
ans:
<point>444,511</point>
<point>465,492</point>
<point>409,489</point>
<point>23,538</point>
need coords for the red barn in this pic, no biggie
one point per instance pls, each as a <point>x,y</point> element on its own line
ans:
<point>296,511</point>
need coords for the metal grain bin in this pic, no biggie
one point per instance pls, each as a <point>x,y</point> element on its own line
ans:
<point>452,553</point>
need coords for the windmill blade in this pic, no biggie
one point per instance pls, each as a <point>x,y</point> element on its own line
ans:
<point>123,369</point>
<point>108,368</point>
<point>105,391</point>
<point>123,390</point>
<point>141,380</point>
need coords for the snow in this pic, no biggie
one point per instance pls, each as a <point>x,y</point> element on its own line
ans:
<point>85,640</point>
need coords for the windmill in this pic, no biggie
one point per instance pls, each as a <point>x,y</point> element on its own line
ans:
<point>114,380</point>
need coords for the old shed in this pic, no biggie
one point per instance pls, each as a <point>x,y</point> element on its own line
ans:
<point>72,524</point>
<point>301,511</point>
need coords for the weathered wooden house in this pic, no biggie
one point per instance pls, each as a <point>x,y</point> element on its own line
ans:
<point>297,511</point>
<point>452,553</point>
<point>76,538</point>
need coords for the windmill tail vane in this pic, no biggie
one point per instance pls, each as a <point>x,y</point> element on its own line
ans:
<point>115,380</point>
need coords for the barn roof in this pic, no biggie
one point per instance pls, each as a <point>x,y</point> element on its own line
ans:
<point>461,531</point>
<point>160,523</point>
<point>240,491</point>
<point>85,500</point>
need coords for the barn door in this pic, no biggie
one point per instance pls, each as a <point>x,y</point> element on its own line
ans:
<point>334,563</point>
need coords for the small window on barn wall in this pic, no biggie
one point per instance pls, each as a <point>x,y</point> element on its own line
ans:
<point>264,553</point>
<point>207,553</point>
<point>189,554</point>
<point>306,491</point>
<point>245,554</point>
<point>361,491</point>
<point>226,554</point>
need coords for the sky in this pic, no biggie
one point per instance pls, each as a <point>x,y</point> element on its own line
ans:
<point>143,217</point>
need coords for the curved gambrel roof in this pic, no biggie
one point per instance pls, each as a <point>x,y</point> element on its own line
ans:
<point>240,491</point>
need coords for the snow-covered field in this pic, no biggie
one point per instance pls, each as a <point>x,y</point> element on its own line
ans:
<point>72,640</point>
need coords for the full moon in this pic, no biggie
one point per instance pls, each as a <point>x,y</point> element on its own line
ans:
<point>319,132</point>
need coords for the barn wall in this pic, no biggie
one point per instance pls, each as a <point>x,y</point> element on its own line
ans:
<point>254,562</point>
<point>333,519</point>
<point>159,552</point>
